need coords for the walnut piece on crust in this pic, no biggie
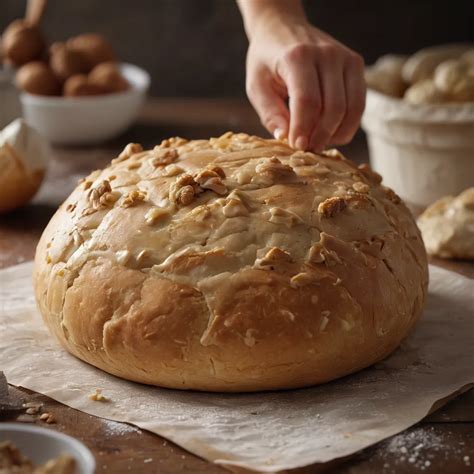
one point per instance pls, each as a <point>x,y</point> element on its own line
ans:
<point>156,214</point>
<point>130,150</point>
<point>274,168</point>
<point>164,156</point>
<point>187,186</point>
<point>274,259</point>
<point>173,142</point>
<point>183,190</point>
<point>361,187</point>
<point>332,206</point>
<point>185,195</point>
<point>133,198</point>
<point>208,179</point>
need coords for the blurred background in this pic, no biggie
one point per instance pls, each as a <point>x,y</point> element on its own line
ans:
<point>194,52</point>
<point>196,48</point>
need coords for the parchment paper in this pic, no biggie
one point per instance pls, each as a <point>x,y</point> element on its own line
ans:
<point>268,431</point>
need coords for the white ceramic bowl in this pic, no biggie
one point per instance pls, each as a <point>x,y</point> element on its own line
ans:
<point>85,120</point>
<point>423,152</point>
<point>41,444</point>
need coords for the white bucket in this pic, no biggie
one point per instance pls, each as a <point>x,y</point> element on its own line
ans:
<point>423,152</point>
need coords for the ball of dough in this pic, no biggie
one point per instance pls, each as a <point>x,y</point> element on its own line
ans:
<point>24,155</point>
<point>455,78</point>
<point>385,75</point>
<point>447,226</point>
<point>37,78</point>
<point>22,43</point>
<point>421,65</point>
<point>108,77</point>
<point>385,82</point>
<point>94,47</point>
<point>391,63</point>
<point>424,92</point>
<point>231,264</point>
<point>468,57</point>
<point>79,85</point>
<point>66,62</point>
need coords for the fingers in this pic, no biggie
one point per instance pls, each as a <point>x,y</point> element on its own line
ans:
<point>269,102</point>
<point>355,88</point>
<point>301,79</point>
<point>326,95</point>
<point>333,98</point>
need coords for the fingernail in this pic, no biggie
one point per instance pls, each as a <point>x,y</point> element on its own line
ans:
<point>301,143</point>
<point>279,133</point>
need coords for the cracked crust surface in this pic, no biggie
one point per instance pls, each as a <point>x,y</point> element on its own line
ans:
<point>231,264</point>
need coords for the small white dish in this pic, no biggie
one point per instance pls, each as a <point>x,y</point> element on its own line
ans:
<point>41,444</point>
<point>86,120</point>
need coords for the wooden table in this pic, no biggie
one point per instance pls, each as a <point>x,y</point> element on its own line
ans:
<point>442,443</point>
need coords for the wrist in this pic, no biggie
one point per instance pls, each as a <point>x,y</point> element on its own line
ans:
<point>271,15</point>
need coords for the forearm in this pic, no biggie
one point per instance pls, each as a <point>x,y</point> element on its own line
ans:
<point>256,12</point>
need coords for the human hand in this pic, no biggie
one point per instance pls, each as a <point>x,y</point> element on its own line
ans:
<point>323,81</point>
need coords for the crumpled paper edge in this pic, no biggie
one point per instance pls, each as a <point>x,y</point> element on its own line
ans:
<point>202,450</point>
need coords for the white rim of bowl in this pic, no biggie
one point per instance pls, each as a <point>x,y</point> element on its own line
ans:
<point>408,105</point>
<point>138,78</point>
<point>82,449</point>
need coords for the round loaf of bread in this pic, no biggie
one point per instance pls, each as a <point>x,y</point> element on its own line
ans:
<point>231,264</point>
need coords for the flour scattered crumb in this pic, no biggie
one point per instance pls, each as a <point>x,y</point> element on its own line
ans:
<point>115,428</point>
<point>418,447</point>
<point>97,396</point>
<point>48,418</point>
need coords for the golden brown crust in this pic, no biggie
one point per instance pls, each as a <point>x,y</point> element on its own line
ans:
<point>274,269</point>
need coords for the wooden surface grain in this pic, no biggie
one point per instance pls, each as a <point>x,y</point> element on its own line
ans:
<point>442,443</point>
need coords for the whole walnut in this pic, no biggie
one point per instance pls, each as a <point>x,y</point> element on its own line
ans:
<point>79,85</point>
<point>94,47</point>
<point>36,77</point>
<point>66,62</point>
<point>455,78</point>
<point>22,43</point>
<point>108,77</point>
